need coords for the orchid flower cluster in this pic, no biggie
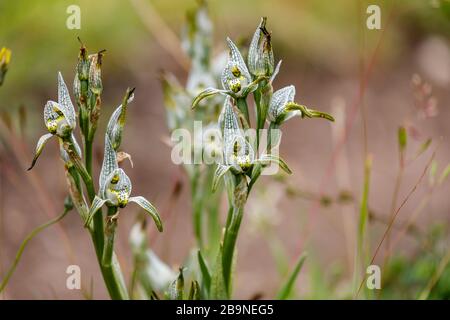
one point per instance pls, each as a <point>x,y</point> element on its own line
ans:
<point>114,189</point>
<point>205,70</point>
<point>240,165</point>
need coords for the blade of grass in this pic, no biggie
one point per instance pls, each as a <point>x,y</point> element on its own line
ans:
<point>363,218</point>
<point>286,289</point>
<point>435,278</point>
<point>206,276</point>
<point>22,247</point>
<point>396,214</point>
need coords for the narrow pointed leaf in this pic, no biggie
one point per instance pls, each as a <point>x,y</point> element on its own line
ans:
<point>218,287</point>
<point>206,276</point>
<point>286,289</point>
<point>194,292</point>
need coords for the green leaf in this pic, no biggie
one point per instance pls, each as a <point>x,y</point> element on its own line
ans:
<point>206,276</point>
<point>218,287</point>
<point>286,289</point>
<point>148,207</point>
<point>402,138</point>
<point>194,292</point>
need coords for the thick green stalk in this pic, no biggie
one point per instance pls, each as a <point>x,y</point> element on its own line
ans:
<point>211,205</point>
<point>270,133</point>
<point>110,234</point>
<point>234,220</point>
<point>112,274</point>
<point>88,155</point>
<point>229,244</point>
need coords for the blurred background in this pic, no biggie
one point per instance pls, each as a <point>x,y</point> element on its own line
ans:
<point>372,81</point>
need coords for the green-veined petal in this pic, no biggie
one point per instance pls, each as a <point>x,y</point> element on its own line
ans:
<point>148,207</point>
<point>109,164</point>
<point>218,174</point>
<point>208,92</point>
<point>306,112</point>
<point>97,203</point>
<point>39,147</point>
<point>65,104</point>
<point>266,159</point>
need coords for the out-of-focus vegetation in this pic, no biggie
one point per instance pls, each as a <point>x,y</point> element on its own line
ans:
<point>318,35</point>
<point>328,42</point>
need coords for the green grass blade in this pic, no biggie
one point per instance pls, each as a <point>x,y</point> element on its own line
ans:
<point>286,289</point>
<point>30,236</point>
<point>206,276</point>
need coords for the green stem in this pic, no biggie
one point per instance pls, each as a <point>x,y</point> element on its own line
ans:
<point>234,220</point>
<point>112,274</point>
<point>262,96</point>
<point>88,152</point>
<point>110,234</point>
<point>272,126</point>
<point>212,207</point>
<point>229,245</point>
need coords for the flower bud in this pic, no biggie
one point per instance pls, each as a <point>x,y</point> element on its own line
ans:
<point>117,120</point>
<point>260,54</point>
<point>5,58</point>
<point>83,63</point>
<point>277,107</point>
<point>95,73</point>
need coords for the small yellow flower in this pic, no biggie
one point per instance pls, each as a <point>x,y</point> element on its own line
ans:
<point>5,58</point>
